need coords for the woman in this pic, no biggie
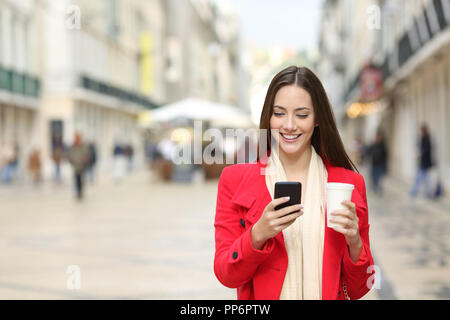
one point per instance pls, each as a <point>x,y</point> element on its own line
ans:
<point>262,252</point>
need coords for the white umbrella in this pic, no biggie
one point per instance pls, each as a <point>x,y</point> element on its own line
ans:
<point>198,109</point>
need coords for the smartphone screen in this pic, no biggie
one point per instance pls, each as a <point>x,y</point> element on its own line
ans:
<point>288,189</point>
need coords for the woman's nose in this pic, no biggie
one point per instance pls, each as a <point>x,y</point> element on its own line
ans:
<point>289,124</point>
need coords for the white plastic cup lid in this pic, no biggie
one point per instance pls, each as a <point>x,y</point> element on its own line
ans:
<point>340,186</point>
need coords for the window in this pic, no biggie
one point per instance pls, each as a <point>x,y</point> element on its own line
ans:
<point>13,39</point>
<point>113,23</point>
<point>26,48</point>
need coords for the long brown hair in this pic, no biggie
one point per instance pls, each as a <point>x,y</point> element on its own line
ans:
<point>325,139</point>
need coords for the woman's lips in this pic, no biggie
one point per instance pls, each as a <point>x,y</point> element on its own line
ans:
<point>290,138</point>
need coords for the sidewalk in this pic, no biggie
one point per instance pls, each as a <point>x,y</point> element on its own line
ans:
<point>410,241</point>
<point>154,240</point>
<point>134,240</point>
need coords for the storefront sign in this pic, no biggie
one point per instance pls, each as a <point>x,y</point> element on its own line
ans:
<point>371,83</point>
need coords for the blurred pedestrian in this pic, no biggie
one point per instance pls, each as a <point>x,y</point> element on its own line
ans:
<point>424,164</point>
<point>378,155</point>
<point>119,162</point>
<point>34,166</point>
<point>356,151</point>
<point>151,152</point>
<point>14,163</point>
<point>79,157</point>
<point>92,161</point>
<point>2,162</point>
<point>129,153</point>
<point>7,158</point>
<point>57,156</point>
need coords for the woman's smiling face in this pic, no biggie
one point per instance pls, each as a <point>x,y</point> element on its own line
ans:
<point>292,121</point>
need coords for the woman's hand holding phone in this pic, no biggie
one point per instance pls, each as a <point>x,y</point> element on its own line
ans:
<point>273,221</point>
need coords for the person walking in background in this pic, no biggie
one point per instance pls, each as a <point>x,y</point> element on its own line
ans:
<point>34,166</point>
<point>6,160</point>
<point>79,156</point>
<point>3,162</point>
<point>379,155</point>
<point>92,161</point>
<point>14,163</point>
<point>119,162</point>
<point>151,152</point>
<point>425,163</point>
<point>129,152</point>
<point>57,156</point>
<point>356,151</point>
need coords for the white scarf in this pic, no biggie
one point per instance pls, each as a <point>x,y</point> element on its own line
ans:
<point>304,238</point>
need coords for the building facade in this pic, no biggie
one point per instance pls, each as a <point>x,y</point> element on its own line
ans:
<point>20,76</point>
<point>102,67</point>
<point>405,44</point>
<point>92,67</point>
<point>203,46</point>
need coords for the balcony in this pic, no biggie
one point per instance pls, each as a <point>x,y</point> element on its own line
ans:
<point>405,47</point>
<point>112,91</point>
<point>19,83</point>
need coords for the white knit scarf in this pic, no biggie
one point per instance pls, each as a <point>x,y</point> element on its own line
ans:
<point>304,238</point>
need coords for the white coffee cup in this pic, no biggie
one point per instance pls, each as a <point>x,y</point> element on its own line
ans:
<point>336,193</point>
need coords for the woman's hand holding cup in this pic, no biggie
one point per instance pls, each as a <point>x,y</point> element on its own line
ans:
<point>346,222</point>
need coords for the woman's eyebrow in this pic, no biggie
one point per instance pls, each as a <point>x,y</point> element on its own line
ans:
<point>298,109</point>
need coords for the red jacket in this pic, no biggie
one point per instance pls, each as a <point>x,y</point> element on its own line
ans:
<point>259,274</point>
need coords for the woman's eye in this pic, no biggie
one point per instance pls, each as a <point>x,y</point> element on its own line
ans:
<point>278,113</point>
<point>303,116</point>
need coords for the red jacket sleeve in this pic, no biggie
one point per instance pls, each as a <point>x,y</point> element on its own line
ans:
<point>356,275</point>
<point>235,260</point>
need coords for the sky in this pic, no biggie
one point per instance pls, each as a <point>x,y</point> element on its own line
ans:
<point>293,23</point>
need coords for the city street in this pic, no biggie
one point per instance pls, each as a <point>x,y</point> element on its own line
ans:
<point>113,87</point>
<point>410,241</point>
<point>136,240</point>
<point>143,240</point>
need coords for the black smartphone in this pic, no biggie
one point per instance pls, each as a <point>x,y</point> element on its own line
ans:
<point>288,189</point>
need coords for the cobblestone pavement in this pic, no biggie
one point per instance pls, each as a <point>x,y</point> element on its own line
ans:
<point>410,241</point>
<point>137,240</point>
<point>151,240</point>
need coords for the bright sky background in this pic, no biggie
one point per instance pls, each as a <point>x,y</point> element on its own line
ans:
<point>294,23</point>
